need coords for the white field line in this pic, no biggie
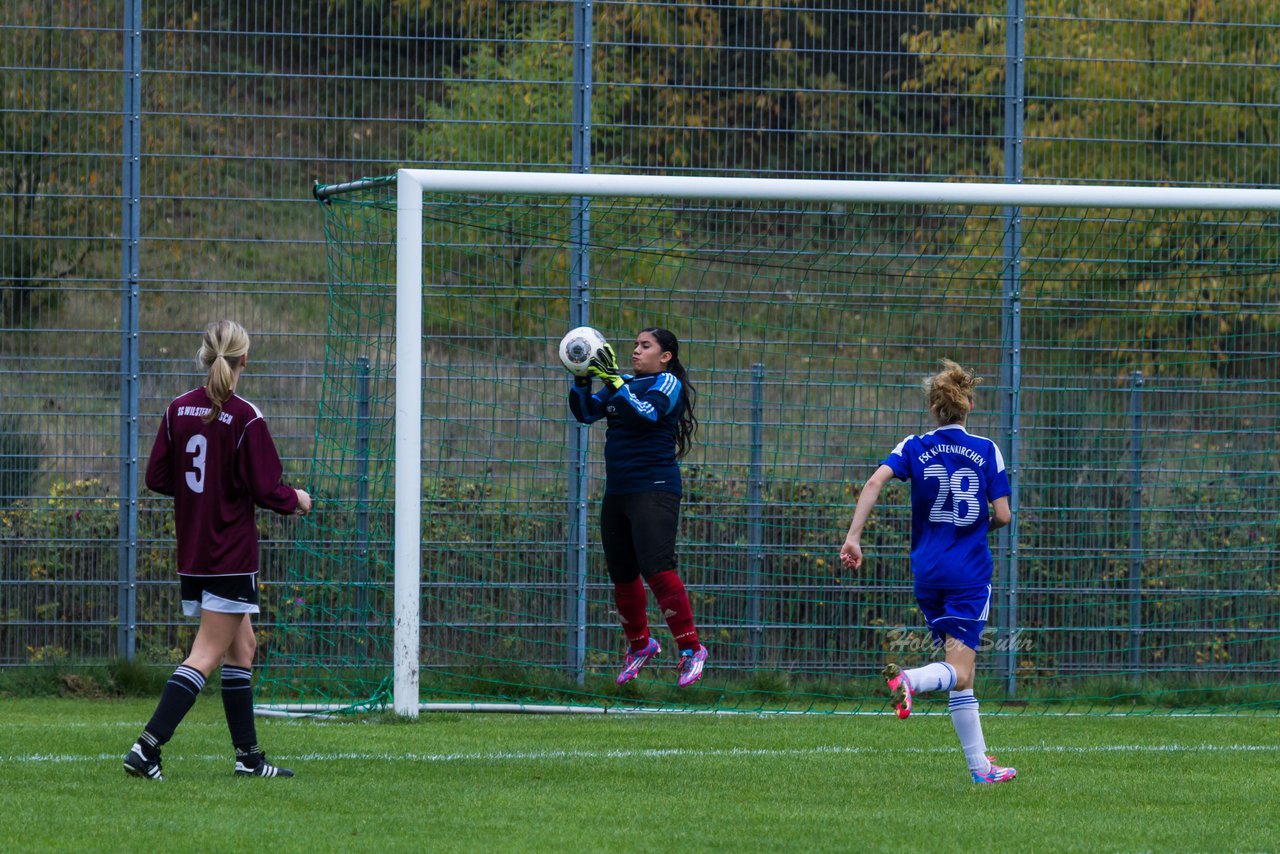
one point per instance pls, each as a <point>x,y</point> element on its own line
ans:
<point>344,719</point>
<point>664,753</point>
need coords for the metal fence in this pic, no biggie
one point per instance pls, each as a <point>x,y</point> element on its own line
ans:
<point>156,160</point>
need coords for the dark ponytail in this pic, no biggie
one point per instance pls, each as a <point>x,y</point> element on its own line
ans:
<point>687,426</point>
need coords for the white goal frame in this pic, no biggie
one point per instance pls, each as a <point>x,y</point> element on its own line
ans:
<point>412,184</point>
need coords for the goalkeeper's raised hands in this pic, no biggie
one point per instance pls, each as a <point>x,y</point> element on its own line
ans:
<point>604,367</point>
<point>605,359</point>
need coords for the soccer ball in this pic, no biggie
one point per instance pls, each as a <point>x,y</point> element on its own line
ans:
<point>578,346</point>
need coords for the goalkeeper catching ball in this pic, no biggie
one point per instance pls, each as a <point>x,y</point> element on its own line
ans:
<point>650,427</point>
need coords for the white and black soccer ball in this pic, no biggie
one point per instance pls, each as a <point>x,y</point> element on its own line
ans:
<point>578,346</point>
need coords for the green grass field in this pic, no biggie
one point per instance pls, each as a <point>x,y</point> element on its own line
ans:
<point>453,782</point>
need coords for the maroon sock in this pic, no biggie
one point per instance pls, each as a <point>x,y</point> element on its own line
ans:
<point>674,602</point>
<point>631,599</point>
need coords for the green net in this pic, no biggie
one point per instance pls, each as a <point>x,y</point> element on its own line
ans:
<point>1131,384</point>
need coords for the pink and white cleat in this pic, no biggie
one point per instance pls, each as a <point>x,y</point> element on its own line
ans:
<point>900,690</point>
<point>635,660</point>
<point>691,663</point>
<point>996,774</point>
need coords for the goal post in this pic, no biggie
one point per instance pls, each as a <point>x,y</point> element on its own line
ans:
<point>414,182</point>
<point>904,250</point>
<point>408,433</point>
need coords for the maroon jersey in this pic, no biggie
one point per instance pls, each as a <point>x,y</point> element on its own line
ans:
<point>216,473</point>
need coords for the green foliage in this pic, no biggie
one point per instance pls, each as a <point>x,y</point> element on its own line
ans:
<point>526,114</point>
<point>658,105</point>
<point>1154,91</point>
<point>68,536</point>
<point>47,99</point>
<point>1154,80</point>
<point>52,548</point>
<point>824,81</point>
<point>67,527</point>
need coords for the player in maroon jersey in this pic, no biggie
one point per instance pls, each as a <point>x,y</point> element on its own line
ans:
<point>214,455</point>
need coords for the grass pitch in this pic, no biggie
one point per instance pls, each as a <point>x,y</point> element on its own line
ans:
<point>453,782</point>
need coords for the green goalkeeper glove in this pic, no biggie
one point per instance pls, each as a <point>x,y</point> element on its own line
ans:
<point>604,367</point>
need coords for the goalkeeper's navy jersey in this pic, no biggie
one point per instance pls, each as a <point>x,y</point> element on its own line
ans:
<point>640,443</point>
<point>954,474</point>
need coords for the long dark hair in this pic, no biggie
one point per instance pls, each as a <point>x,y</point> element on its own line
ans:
<point>687,426</point>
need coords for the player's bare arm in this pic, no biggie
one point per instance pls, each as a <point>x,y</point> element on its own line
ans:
<point>851,552</point>
<point>1001,515</point>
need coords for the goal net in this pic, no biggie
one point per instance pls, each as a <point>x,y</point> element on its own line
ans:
<point>1129,339</point>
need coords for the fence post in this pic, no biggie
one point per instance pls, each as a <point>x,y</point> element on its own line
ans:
<point>361,572</point>
<point>755,506</point>
<point>1011,367</point>
<point>579,315</point>
<point>1135,523</point>
<point>131,132</point>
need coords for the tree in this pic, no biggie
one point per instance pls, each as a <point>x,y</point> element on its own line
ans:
<point>762,88</point>
<point>54,106</point>
<point>1164,94</point>
<point>510,100</point>
<point>1160,96</point>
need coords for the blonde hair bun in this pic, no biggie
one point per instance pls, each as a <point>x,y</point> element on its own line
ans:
<point>949,393</point>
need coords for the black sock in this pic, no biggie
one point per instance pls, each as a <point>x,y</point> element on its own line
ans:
<point>179,696</point>
<point>237,702</point>
<point>150,747</point>
<point>249,757</point>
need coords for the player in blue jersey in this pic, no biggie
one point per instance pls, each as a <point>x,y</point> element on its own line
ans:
<point>650,427</point>
<point>954,476</point>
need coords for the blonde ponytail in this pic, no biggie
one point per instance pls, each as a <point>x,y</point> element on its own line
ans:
<point>949,393</point>
<point>225,344</point>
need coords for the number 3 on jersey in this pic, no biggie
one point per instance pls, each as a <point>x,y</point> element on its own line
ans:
<point>197,446</point>
<point>961,486</point>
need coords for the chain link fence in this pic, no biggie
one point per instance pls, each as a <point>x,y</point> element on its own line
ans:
<point>156,160</point>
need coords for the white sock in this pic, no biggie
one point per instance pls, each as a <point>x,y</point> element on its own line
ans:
<point>968,724</point>
<point>938,676</point>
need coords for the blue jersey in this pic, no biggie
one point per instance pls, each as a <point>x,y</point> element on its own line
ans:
<point>640,443</point>
<point>954,475</point>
